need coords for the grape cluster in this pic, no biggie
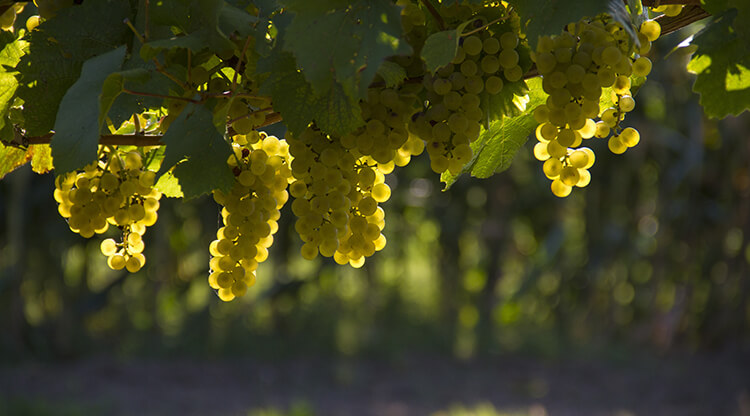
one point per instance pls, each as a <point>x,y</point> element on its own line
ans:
<point>116,190</point>
<point>337,191</point>
<point>250,212</point>
<point>486,61</point>
<point>578,66</point>
<point>384,136</point>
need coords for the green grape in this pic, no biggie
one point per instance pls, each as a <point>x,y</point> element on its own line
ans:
<point>630,137</point>
<point>651,29</point>
<point>642,67</point>
<point>616,145</point>
<point>491,46</point>
<point>472,45</point>
<point>560,189</point>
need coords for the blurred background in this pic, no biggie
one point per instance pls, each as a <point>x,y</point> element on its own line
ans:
<point>630,297</point>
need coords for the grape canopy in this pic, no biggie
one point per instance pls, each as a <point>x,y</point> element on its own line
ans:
<point>314,103</point>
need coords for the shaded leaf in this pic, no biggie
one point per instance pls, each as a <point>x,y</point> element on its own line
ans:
<point>722,65</point>
<point>547,17</point>
<point>57,50</point>
<point>292,94</point>
<point>81,116</point>
<point>343,42</point>
<point>198,151</point>
<point>392,73</point>
<point>440,49</point>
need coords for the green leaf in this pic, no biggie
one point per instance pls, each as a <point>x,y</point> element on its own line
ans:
<point>440,49</point>
<point>169,186</point>
<point>11,158</point>
<point>343,41</point>
<point>76,132</point>
<point>198,151</point>
<point>547,17</point>
<point>497,145</point>
<point>722,65</point>
<point>292,95</point>
<point>200,23</point>
<point>337,113</point>
<point>114,85</point>
<point>57,50</point>
<point>41,158</point>
<point>392,73</point>
<point>740,7</point>
<point>11,53</point>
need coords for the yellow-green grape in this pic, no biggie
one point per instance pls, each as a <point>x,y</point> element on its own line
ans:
<point>616,145</point>
<point>670,10</point>
<point>486,62</point>
<point>560,189</point>
<point>626,103</point>
<point>337,196</point>
<point>116,190</point>
<point>642,67</point>
<point>250,211</point>
<point>33,22</point>
<point>630,137</point>
<point>651,29</point>
<point>591,57</point>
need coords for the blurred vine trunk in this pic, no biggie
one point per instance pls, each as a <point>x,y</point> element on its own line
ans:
<point>16,218</point>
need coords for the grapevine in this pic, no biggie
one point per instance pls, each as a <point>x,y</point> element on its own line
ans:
<point>443,77</point>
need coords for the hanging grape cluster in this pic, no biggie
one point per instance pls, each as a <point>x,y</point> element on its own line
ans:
<point>116,190</point>
<point>592,58</point>
<point>487,59</point>
<point>250,212</point>
<point>337,192</point>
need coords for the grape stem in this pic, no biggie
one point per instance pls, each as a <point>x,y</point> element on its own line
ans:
<point>239,62</point>
<point>150,94</point>
<point>435,14</point>
<point>485,26</point>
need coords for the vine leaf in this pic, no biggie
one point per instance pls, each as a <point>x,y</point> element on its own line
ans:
<point>293,96</point>
<point>337,112</point>
<point>11,158</point>
<point>392,73</point>
<point>343,42</point>
<point>10,54</point>
<point>57,50</point>
<point>740,7</point>
<point>334,111</point>
<point>440,48</point>
<point>75,142</point>
<point>169,185</point>
<point>722,65</point>
<point>202,24</point>
<point>498,144</point>
<point>41,158</point>
<point>547,17</point>
<point>198,153</point>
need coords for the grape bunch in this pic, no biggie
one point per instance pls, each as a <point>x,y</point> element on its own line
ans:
<point>384,136</point>
<point>591,58</point>
<point>115,190</point>
<point>337,192</point>
<point>250,212</point>
<point>485,62</point>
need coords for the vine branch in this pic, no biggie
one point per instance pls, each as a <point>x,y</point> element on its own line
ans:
<point>435,14</point>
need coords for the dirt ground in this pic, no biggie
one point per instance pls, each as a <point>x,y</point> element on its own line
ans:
<point>417,385</point>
